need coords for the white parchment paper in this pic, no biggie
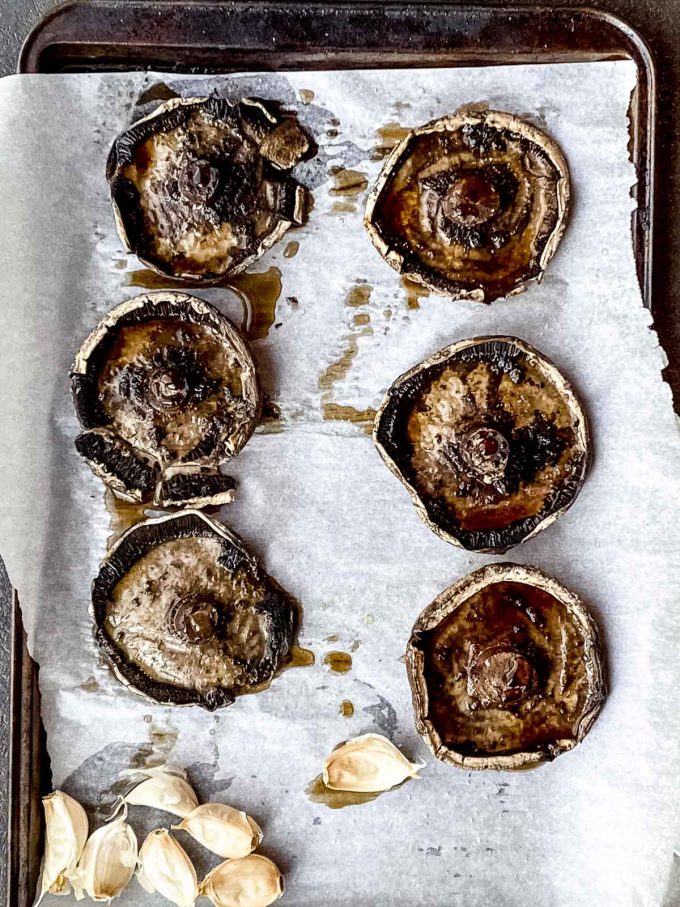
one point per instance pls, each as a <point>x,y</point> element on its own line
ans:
<point>598,826</point>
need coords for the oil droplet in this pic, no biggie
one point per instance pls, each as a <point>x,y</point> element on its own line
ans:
<point>147,279</point>
<point>300,658</point>
<point>389,137</point>
<point>306,96</point>
<point>346,708</point>
<point>369,619</point>
<point>414,292</point>
<point>343,208</point>
<point>338,662</point>
<point>122,514</point>
<point>337,412</point>
<point>359,295</point>
<point>291,249</point>
<point>318,792</point>
<point>337,370</point>
<point>348,182</point>
<point>258,291</point>
<point>90,685</point>
<point>159,91</point>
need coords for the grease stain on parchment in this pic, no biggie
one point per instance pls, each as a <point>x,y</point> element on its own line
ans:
<point>159,91</point>
<point>122,515</point>
<point>338,662</point>
<point>318,792</point>
<point>258,292</point>
<point>347,186</point>
<point>359,296</point>
<point>414,292</point>
<point>389,136</point>
<point>91,685</point>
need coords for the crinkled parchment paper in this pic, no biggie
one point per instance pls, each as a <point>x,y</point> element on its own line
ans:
<point>598,826</point>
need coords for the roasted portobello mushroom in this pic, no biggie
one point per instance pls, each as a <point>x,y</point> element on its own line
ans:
<point>187,616</point>
<point>489,439</point>
<point>166,391</point>
<point>472,205</point>
<point>202,188</point>
<point>506,670</point>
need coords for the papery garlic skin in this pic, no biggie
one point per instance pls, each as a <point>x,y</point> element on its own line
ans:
<point>165,789</point>
<point>367,764</point>
<point>223,830</point>
<point>66,831</point>
<point>107,863</point>
<point>254,881</point>
<point>165,868</point>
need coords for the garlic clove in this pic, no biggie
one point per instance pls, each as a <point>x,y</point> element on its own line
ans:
<point>107,863</point>
<point>253,881</point>
<point>165,868</point>
<point>165,788</point>
<point>366,764</point>
<point>66,830</point>
<point>226,831</point>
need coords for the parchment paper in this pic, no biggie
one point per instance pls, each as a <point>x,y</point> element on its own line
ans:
<point>315,502</point>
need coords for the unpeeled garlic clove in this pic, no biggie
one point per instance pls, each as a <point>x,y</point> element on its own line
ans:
<point>164,788</point>
<point>367,764</point>
<point>165,868</point>
<point>107,862</point>
<point>66,830</point>
<point>253,881</point>
<point>226,831</point>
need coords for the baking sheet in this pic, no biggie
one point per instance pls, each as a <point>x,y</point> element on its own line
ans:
<point>315,502</point>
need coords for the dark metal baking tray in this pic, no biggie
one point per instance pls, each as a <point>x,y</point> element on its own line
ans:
<point>204,37</point>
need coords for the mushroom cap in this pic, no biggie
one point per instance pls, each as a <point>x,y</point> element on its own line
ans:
<point>165,389</point>
<point>187,616</point>
<point>506,670</point>
<point>201,187</point>
<point>489,439</point>
<point>472,205</point>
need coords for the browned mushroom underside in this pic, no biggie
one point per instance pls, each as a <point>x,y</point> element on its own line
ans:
<point>464,396</point>
<point>200,199</point>
<point>507,672</point>
<point>187,620</point>
<point>469,216</point>
<point>173,390</point>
